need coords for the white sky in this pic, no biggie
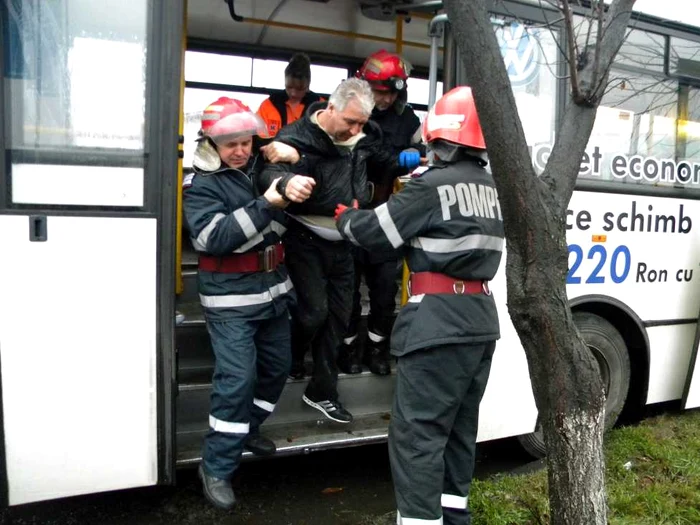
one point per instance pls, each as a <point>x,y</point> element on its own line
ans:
<point>685,11</point>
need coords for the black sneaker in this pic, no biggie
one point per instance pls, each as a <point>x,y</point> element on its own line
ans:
<point>331,409</point>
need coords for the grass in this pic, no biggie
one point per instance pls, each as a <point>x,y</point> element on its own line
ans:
<point>652,478</point>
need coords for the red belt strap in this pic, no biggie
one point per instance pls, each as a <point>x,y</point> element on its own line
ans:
<point>433,283</point>
<point>263,261</point>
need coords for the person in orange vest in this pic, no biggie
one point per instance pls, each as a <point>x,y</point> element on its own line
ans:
<point>284,107</point>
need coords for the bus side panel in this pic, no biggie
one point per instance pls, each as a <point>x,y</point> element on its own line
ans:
<point>508,406</point>
<point>78,355</point>
<point>670,356</point>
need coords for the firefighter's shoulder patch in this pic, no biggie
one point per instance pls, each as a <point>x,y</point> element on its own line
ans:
<point>187,180</point>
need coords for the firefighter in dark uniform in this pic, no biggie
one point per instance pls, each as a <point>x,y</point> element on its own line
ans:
<point>451,225</point>
<point>335,142</point>
<point>387,74</point>
<point>243,287</point>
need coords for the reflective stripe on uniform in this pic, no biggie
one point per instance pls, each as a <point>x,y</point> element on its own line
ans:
<point>348,233</point>
<point>274,226</point>
<point>251,299</point>
<point>388,226</point>
<point>246,223</point>
<point>266,406</point>
<point>203,236</point>
<point>416,298</point>
<point>401,520</point>
<point>451,501</point>
<point>460,244</point>
<point>375,338</point>
<point>228,427</point>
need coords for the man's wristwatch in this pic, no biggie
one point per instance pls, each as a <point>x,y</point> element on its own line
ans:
<point>281,188</point>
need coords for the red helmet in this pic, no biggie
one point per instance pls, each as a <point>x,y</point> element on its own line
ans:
<point>453,118</point>
<point>385,71</point>
<point>228,118</point>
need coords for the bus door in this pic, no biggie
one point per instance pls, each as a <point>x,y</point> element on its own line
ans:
<point>89,93</point>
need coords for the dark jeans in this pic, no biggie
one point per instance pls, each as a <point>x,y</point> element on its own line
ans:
<point>432,434</point>
<point>322,273</point>
<point>381,276</point>
<point>252,360</point>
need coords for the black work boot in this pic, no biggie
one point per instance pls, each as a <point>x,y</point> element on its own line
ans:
<point>349,358</point>
<point>260,445</point>
<point>377,357</point>
<point>217,491</point>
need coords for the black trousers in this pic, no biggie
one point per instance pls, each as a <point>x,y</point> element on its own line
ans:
<point>432,434</point>
<point>381,276</point>
<point>323,276</point>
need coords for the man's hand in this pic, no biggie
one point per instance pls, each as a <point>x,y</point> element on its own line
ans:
<point>273,196</point>
<point>279,152</point>
<point>299,188</point>
<point>342,208</point>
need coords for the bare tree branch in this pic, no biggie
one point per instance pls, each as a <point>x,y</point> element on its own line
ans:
<point>572,54</point>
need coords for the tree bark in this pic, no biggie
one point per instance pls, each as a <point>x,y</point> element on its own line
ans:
<point>565,376</point>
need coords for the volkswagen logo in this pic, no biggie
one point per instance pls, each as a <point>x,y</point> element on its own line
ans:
<point>521,51</point>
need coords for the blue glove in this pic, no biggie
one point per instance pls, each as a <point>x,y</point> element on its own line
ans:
<point>409,158</point>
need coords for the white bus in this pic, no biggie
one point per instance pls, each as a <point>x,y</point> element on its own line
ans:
<point>100,390</point>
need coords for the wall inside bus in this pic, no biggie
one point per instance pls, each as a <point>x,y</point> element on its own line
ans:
<point>210,19</point>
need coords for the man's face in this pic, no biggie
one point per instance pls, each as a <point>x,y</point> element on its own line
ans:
<point>343,125</point>
<point>296,88</point>
<point>384,99</point>
<point>236,152</point>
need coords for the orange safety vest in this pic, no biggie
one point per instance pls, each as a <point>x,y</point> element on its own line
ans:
<point>277,112</point>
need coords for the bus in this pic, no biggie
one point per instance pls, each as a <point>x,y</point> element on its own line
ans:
<point>102,390</point>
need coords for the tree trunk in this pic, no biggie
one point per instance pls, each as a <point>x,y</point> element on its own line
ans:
<point>565,376</point>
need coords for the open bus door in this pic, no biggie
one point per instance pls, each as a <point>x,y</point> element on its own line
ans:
<point>88,186</point>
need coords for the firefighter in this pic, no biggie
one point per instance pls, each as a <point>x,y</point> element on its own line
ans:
<point>285,107</point>
<point>387,74</point>
<point>334,142</point>
<point>450,221</point>
<point>244,289</point>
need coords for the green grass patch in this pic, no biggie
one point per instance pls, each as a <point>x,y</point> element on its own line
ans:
<point>652,476</point>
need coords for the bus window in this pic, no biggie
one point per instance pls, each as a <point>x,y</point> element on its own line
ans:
<point>634,137</point>
<point>530,55</point>
<point>215,68</point>
<point>72,88</point>
<point>684,58</point>
<point>419,91</point>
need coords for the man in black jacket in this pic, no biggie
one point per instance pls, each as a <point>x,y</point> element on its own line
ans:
<point>336,143</point>
<point>387,74</point>
<point>451,223</point>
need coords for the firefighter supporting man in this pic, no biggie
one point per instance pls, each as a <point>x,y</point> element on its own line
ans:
<point>244,289</point>
<point>387,74</point>
<point>334,143</point>
<point>444,337</point>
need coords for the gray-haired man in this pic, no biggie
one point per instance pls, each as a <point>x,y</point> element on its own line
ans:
<point>334,142</point>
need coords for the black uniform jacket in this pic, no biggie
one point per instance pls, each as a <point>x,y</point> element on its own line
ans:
<point>398,124</point>
<point>225,215</point>
<point>450,222</point>
<point>341,175</point>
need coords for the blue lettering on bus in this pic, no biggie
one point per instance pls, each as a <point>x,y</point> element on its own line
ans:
<point>598,252</point>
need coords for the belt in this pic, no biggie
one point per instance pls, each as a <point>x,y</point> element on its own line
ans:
<point>266,260</point>
<point>439,283</point>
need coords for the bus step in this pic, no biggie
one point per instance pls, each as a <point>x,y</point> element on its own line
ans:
<point>361,394</point>
<point>299,438</point>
